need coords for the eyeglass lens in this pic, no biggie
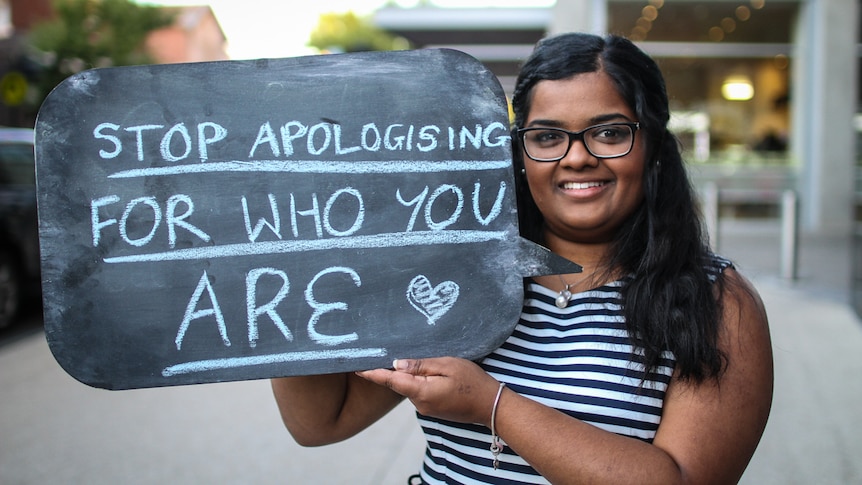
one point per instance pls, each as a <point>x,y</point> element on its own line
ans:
<point>604,141</point>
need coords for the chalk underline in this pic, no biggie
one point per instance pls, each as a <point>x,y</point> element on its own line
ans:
<point>319,166</point>
<point>389,240</point>
<point>236,362</point>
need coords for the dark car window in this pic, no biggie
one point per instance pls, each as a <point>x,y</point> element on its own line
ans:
<point>16,164</point>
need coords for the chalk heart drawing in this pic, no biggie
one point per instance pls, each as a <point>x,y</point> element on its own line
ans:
<point>433,302</point>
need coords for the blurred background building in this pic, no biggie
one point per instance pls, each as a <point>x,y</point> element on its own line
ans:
<point>193,34</point>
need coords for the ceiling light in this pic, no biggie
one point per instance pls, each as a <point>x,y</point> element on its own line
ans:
<point>737,88</point>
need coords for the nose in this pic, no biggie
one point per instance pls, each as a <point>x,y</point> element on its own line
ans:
<point>578,157</point>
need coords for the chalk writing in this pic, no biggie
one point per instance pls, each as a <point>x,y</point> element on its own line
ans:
<point>177,144</point>
<point>359,167</point>
<point>228,363</point>
<point>322,308</point>
<point>439,207</point>
<point>389,240</point>
<point>192,314</point>
<point>240,220</point>
<point>269,308</point>
<point>350,200</point>
<point>433,302</point>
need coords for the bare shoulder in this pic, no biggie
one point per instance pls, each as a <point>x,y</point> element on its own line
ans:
<point>745,340</point>
<point>743,310</point>
<point>712,428</point>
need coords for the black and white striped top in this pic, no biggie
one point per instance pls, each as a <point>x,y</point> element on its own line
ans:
<point>577,360</point>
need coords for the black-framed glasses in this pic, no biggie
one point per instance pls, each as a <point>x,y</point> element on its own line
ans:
<point>608,140</point>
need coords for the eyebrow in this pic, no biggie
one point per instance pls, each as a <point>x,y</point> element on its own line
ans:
<point>596,120</point>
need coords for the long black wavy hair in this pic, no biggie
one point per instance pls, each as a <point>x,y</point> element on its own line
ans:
<point>669,302</point>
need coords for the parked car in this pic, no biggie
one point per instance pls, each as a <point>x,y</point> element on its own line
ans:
<point>19,233</point>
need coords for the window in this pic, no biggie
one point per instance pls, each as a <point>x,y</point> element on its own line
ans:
<point>704,50</point>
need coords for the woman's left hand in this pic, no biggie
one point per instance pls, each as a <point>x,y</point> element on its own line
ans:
<point>446,387</point>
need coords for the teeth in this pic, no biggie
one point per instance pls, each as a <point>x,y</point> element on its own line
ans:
<point>580,185</point>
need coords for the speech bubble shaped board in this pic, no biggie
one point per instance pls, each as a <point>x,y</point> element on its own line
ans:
<point>251,219</point>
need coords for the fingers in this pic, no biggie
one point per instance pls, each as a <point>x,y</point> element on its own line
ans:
<point>445,387</point>
<point>410,366</point>
<point>408,375</point>
<point>423,367</point>
<point>403,383</point>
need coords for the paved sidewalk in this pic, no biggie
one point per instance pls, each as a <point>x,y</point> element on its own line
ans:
<point>56,430</point>
<point>814,433</point>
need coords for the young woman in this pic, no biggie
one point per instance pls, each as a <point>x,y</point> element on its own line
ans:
<point>654,365</point>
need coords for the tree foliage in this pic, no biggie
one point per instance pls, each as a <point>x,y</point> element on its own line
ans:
<point>348,32</point>
<point>93,33</point>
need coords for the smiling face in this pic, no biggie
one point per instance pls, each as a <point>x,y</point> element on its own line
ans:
<point>583,198</point>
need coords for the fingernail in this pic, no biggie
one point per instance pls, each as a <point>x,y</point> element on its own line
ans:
<point>399,364</point>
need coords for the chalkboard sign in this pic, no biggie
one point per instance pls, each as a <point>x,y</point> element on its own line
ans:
<point>250,219</point>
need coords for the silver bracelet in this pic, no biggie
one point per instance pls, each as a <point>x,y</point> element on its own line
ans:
<point>496,443</point>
